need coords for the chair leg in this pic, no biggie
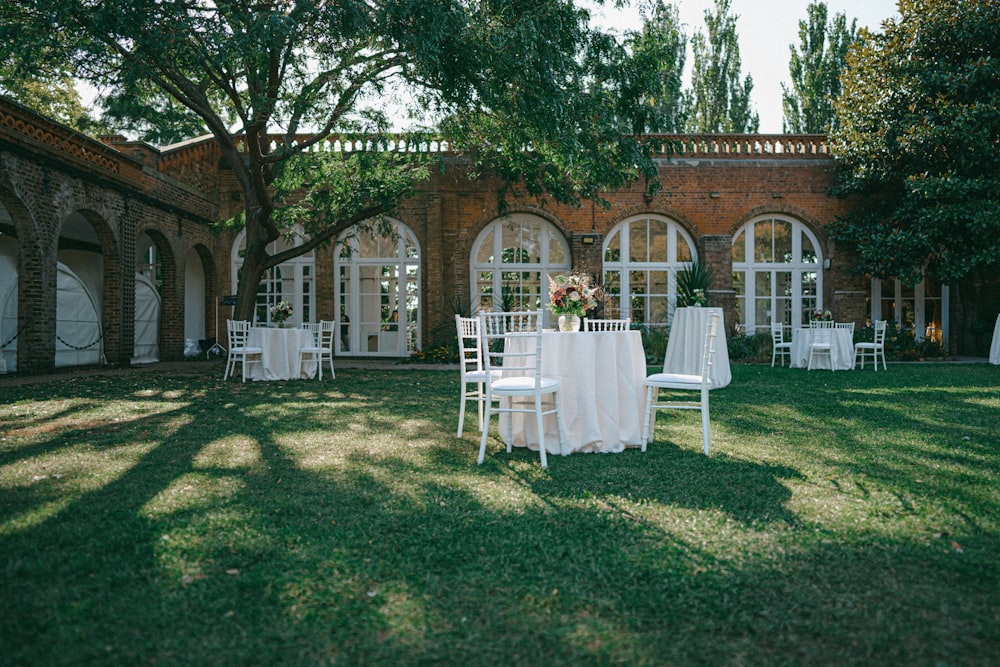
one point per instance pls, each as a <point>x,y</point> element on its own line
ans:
<point>541,430</point>
<point>705,432</point>
<point>559,425</point>
<point>646,421</point>
<point>461,413</point>
<point>483,436</point>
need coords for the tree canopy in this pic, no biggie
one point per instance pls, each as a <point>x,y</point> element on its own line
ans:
<point>501,75</point>
<point>815,71</point>
<point>918,138</point>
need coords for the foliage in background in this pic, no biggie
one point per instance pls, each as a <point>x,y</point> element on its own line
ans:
<point>901,344</point>
<point>654,343</point>
<point>815,71</point>
<point>695,276</point>
<point>750,348</point>
<point>51,93</point>
<point>918,136</point>
<point>651,97</point>
<point>719,101</point>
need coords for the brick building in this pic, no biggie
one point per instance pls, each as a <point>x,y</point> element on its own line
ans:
<point>95,236</point>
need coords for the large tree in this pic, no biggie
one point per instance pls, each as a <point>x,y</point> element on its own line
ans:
<point>511,78</point>
<point>651,96</point>
<point>720,102</point>
<point>918,137</point>
<point>815,71</point>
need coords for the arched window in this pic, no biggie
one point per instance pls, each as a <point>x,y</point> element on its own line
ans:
<point>377,292</point>
<point>511,262</point>
<point>641,258</point>
<point>292,281</point>
<point>776,273</point>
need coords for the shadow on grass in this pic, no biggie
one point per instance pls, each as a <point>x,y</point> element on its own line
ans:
<point>232,539</point>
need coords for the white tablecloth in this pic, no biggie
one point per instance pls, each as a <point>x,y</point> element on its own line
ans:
<point>282,357</point>
<point>841,350</point>
<point>995,347</point>
<point>602,377</point>
<point>686,345</point>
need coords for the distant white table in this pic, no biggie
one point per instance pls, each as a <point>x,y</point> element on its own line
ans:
<point>602,377</point>
<point>841,350</point>
<point>995,347</point>
<point>282,359</point>
<point>686,345</point>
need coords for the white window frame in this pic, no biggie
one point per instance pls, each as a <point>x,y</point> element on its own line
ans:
<point>921,319</point>
<point>797,267</point>
<point>551,241</point>
<point>348,341</point>
<point>624,266</point>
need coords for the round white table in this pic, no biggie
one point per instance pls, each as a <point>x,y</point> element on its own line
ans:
<point>841,350</point>
<point>282,358</point>
<point>602,377</point>
<point>686,346</point>
<point>995,347</point>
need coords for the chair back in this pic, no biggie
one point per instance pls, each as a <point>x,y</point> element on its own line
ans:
<point>880,327</point>
<point>591,324</point>
<point>708,351</point>
<point>846,325</point>
<point>821,324</point>
<point>822,336</point>
<point>777,333</point>
<point>323,332</point>
<point>470,344</point>
<point>238,332</point>
<point>499,329</point>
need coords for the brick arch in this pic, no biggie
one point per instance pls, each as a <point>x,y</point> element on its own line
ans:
<point>117,294</point>
<point>171,300</point>
<point>800,214</point>
<point>655,209</point>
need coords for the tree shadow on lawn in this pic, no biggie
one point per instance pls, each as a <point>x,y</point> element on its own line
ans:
<point>406,552</point>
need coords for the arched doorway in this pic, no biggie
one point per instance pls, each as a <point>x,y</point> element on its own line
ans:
<point>80,294</point>
<point>377,285</point>
<point>8,292</point>
<point>511,261</point>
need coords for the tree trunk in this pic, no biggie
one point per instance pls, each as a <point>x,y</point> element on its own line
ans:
<point>255,260</point>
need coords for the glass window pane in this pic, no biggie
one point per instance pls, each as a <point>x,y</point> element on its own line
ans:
<point>684,253</point>
<point>809,255</point>
<point>638,241</point>
<point>739,248</point>
<point>613,251</point>
<point>762,238</point>
<point>557,254</point>
<point>485,252</point>
<point>782,241</point>
<point>657,241</point>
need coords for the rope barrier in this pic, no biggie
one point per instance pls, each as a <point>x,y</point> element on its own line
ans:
<point>13,338</point>
<point>75,347</point>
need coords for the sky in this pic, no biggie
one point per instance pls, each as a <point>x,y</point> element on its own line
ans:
<point>766,29</point>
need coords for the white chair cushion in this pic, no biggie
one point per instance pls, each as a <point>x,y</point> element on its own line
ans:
<point>675,381</point>
<point>248,350</point>
<point>479,376</point>
<point>523,384</point>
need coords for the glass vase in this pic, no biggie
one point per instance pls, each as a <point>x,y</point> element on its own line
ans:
<point>569,323</point>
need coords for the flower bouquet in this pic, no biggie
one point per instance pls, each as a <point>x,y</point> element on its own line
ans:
<point>571,297</point>
<point>821,316</point>
<point>280,312</point>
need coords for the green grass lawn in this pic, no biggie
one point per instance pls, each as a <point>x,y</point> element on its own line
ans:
<point>843,519</point>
